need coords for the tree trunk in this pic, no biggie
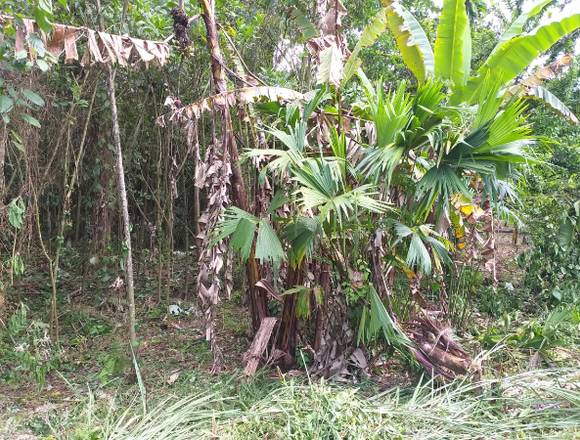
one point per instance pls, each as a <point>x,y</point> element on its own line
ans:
<point>258,298</point>
<point>287,336</point>
<point>102,226</point>
<point>124,204</point>
<point>324,282</point>
<point>3,142</point>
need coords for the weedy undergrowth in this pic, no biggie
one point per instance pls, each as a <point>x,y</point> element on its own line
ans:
<point>26,349</point>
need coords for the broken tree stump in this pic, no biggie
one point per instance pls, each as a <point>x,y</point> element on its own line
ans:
<point>259,344</point>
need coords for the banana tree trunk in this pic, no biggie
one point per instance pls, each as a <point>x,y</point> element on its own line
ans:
<point>258,298</point>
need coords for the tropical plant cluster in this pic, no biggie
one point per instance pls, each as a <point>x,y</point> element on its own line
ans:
<point>339,189</point>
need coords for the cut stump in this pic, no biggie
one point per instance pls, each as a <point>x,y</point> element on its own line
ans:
<point>259,344</point>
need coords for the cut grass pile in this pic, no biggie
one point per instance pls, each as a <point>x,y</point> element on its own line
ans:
<point>535,404</point>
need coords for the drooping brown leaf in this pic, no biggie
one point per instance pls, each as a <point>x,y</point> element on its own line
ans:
<point>70,46</point>
<point>20,39</point>
<point>330,67</point>
<point>139,46</point>
<point>93,48</point>
<point>548,72</point>
<point>102,47</point>
<point>238,97</point>
<point>329,49</point>
<point>56,44</point>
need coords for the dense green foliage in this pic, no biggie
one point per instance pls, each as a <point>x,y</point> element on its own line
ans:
<point>368,213</point>
<point>551,191</point>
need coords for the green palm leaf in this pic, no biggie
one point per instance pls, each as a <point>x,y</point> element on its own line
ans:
<point>418,255</point>
<point>439,184</point>
<point>243,237</point>
<point>232,218</point>
<point>301,235</point>
<point>392,115</point>
<point>506,129</point>
<point>322,188</point>
<point>295,141</point>
<point>241,227</point>
<point>379,320</point>
<point>268,246</point>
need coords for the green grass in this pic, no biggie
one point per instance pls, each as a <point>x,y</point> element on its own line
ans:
<point>536,404</point>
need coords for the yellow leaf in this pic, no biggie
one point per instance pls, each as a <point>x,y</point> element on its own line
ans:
<point>467,210</point>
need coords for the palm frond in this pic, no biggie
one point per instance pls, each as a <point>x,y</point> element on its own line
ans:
<point>421,239</point>
<point>439,184</point>
<point>427,104</point>
<point>418,255</point>
<point>295,140</point>
<point>376,320</point>
<point>322,188</point>
<point>391,115</point>
<point>379,162</point>
<point>241,227</point>
<point>243,237</point>
<point>508,126</point>
<point>232,218</point>
<point>268,246</point>
<point>301,235</point>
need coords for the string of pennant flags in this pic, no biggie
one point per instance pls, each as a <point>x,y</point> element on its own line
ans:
<point>100,47</point>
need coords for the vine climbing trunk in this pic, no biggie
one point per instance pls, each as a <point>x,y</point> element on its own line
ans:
<point>257,297</point>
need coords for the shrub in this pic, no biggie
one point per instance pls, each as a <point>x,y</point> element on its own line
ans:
<point>26,348</point>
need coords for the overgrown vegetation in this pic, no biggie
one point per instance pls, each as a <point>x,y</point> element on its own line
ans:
<point>375,202</point>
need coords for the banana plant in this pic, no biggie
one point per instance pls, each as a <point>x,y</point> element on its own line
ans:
<point>450,58</point>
